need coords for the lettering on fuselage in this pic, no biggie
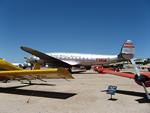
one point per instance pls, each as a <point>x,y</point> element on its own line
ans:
<point>101,60</point>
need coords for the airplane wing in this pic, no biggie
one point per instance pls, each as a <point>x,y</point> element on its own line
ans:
<point>4,65</point>
<point>46,58</point>
<point>122,74</point>
<point>42,73</point>
<point>146,74</point>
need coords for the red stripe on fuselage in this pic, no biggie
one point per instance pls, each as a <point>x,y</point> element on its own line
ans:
<point>128,45</point>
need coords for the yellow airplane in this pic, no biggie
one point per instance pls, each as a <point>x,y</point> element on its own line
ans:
<point>12,72</point>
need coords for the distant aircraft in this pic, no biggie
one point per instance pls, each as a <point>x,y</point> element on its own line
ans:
<point>9,71</point>
<point>22,65</point>
<point>70,60</point>
<point>141,78</point>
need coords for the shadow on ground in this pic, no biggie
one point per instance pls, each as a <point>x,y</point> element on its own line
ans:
<point>46,94</point>
<point>133,93</point>
<point>40,84</point>
<point>112,99</point>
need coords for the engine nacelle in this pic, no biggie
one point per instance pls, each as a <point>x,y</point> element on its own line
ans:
<point>34,60</point>
<point>142,78</point>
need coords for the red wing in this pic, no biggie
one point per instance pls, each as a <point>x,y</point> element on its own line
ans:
<point>146,74</point>
<point>122,74</point>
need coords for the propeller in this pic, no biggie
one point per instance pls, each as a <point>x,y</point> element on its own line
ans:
<point>29,61</point>
<point>140,78</point>
<point>32,62</point>
<point>137,71</point>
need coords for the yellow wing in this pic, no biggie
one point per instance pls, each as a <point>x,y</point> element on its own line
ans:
<point>43,73</point>
<point>14,72</point>
<point>4,65</point>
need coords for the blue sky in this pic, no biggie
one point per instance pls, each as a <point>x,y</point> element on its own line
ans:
<point>84,26</point>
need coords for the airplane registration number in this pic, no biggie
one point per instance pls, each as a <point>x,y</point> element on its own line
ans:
<point>101,60</point>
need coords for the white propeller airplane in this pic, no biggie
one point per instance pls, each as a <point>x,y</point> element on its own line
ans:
<point>70,60</point>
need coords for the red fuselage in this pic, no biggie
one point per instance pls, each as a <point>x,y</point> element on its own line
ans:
<point>144,75</point>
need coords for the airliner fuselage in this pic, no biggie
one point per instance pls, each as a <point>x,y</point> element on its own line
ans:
<point>69,60</point>
<point>84,59</point>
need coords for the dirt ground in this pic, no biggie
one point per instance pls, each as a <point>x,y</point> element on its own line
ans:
<point>84,94</point>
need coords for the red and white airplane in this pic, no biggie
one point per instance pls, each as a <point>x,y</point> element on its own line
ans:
<point>141,78</point>
<point>69,60</point>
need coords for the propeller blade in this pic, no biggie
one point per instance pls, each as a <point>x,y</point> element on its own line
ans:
<point>137,71</point>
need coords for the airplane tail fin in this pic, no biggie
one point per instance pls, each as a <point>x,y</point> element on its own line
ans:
<point>127,51</point>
